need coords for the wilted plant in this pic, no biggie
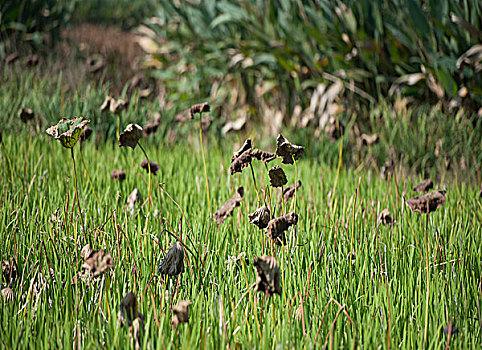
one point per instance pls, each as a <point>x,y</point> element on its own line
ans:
<point>180,313</point>
<point>260,217</point>
<point>173,262</point>
<point>427,203</point>
<point>128,315</point>
<point>267,275</point>
<point>277,227</point>
<point>68,131</point>
<point>227,208</point>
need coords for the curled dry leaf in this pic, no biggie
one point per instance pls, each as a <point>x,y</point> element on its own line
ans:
<point>86,252</point>
<point>8,295</point>
<point>97,262</point>
<point>427,203</point>
<point>277,176</point>
<point>9,271</point>
<point>234,261</point>
<point>288,151</point>
<point>128,310</point>
<point>334,129</point>
<point>260,217</point>
<point>130,136</point>
<point>227,208</point>
<point>180,313</point>
<point>84,136</point>
<point>200,108</point>
<point>368,140</point>
<point>247,145</point>
<point>424,186</point>
<point>173,263</point>
<point>68,131</point>
<point>262,156</point>
<point>154,166</point>
<point>289,192</point>
<point>26,114</point>
<point>267,275</point>
<point>242,158</point>
<point>119,175</point>
<point>385,218</point>
<point>277,227</point>
<point>133,198</point>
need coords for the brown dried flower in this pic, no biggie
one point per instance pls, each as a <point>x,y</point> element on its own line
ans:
<point>26,114</point>
<point>262,156</point>
<point>154,166</point>
<point>267,275</point>
<point>241,162</point>
<point>85,134</point>
<point>260,217</point>
<point>288,151</point>
<point>130,136</point>
<point>118,175</point>
<point>424,186</point>
<point>173,263</point>
<point>385,218</point>
<point>97,262</point>
<point>277,227</point>
<point>180,313</point>
<point>227,208</point>
<point>427,203</point>
<point>277,176</point>
<point>8,295</point>
<point>200,108</point>
<point>247,145</point>
<point>289,192</point>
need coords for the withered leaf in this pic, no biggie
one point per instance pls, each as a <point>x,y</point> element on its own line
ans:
<point>262,156</point>
<point>118,175</point>
<point>9,271</point>
<point>128,310</point>
<point>427,203</point>
<point>200,108</point>
<point>289,192</point>
<point>173,263</point>
<point>424,186</point>
<point>154,166</point>
<point>130,136</point>
<point>180,313</point>
<point>8,295</point>
<point>26,114</point>
<point>334,129</point>
<point>247,145</point>
<point>227,208</point>
<point>97,263</point>
<point>267,275</point>
<point>277,176</point>
<point>68,131</point>
<point>86,134</point>
<point>241,162</point>
<point>288,151</point>
<point>260,217</point>
<point>277,227</point>
<point>133,198</point>
<point>113,105</point>
<point>368,140</point>
<point>385,217</point>
<point>151,127</point>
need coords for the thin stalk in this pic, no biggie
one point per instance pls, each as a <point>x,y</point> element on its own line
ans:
<point>148,187</point>
<point>90,181</point>
<point>428,284</point>
<point>76,190</point>
<point>254,181</point>
<point>204,161</point>
<point>296,183</point>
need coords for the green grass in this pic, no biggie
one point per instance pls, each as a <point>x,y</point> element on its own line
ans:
<point>383,288</point>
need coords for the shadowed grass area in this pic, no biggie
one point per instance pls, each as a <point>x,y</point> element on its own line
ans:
<point>379,274</point>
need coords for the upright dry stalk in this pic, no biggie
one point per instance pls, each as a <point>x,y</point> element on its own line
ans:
<point>204,160</point>
<point>76,190</point>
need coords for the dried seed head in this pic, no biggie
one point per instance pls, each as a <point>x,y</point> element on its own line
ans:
<point>8,295</point>
<point>200,108</point>
<point>68,131</point>
<point>427,203</point>
<point>424,186</point>
<point>227,208</point>
<point>118,175</point>
<point>154,166</point>
<point>277,227</point>
<point>85,134</point>
<point>267,275</point>
<point>385,218</point>
<point>97,262</point>
<point>260,217</point>
<point>289,192</point>
<point>130,136</point>
<point>127,310</point>
<point>180,313</point>
<point>277,176</point>
<point>173,263</point>
<point>334,129</point>
<point>133,198</point>
<point>262,156</point>
<point>368,140</point>
<point>288,151</point>
<point>26,114</point>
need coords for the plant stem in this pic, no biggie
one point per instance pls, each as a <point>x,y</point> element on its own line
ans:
<point>149,186</point>
<point>204,160</point>
<point>76,190</point>
<point>254,181</point>
<point>88,177</point>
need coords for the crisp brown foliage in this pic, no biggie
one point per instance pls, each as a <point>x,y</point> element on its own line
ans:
<point>180,313</point>
<point>227,208</point>
<point>277,227</point>
<point>262,156</point>
<point>267,275</point>
<point>277,176</point>
<point>130,136</point>
<point>173,263</point>
<point>427,203</point>
<point>260,217</point>
<point>288,151</point>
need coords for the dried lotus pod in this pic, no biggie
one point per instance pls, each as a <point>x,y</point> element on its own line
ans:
<point>180,313</point>
<point>154,166</point>
<point>277,227</point>
<point>424,186</point>
<point>247,145</point>
<point>130,136</point>
<point>288,151</point>
<point>267,275</point>
<point>173,263</point>
<point>119,175</point>
<point>68,131</point>
<point>427,203</point>
<point>277,176</point>
<point>227,208</point>
<point>242,158</point>
<point>260,217</point>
